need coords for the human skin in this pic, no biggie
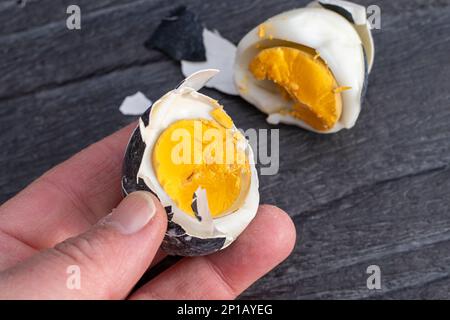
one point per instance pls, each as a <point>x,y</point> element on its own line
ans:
<point>62,219</point>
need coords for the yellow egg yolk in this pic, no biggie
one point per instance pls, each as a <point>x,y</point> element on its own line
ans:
<point>305,78</point>
<point>202,153</point>
<point>222,118</point>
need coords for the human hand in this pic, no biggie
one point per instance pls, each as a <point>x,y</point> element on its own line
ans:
<point>61,220</point>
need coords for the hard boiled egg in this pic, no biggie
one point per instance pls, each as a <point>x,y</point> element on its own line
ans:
<point>308,67</point>
<point>193,158</point>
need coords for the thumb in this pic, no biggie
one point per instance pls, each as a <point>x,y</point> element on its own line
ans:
<point>105,262</point>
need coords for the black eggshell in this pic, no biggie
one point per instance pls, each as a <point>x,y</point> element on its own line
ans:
<point>366,77</point>
<point>177,242</point>
<point>339,10</point>
<point>180,36</point>
<point>132,161</point>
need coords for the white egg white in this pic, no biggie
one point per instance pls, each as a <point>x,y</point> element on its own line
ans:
<point>331,35</point>
<point>360,23</point>
<point>186,103</point>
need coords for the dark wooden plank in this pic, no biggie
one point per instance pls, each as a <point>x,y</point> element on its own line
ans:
<point>336,245</point>
<point>37,13</point>
<point>434,289</point>
<point>50,55</point>
<point>377,193</point>
<point>41,130</point>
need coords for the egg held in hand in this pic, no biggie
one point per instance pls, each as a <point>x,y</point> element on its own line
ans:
<point>192,157</point>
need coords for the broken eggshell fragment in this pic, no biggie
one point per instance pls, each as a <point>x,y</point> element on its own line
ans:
<point>182,37</point>
<point>204,231</point>
<point>179,35</point>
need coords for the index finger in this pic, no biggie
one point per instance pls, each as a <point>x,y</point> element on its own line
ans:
<point>266,242</point>
<point>69,198</point>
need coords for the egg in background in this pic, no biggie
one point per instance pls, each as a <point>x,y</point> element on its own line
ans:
<point>309,66</point>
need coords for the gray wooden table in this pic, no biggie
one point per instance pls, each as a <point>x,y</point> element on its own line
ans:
<point>377,194</point>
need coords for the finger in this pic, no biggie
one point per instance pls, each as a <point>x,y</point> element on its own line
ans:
<point>12,251</point>
<point>159,256</point>
<point>107,260</point>
<point>71,197</point>
<point>266,242</point>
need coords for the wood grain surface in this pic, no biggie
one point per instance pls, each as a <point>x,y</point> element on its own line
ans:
<point>376,194</point>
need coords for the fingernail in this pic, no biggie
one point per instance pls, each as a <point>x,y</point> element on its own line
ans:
<point>132,214</point>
